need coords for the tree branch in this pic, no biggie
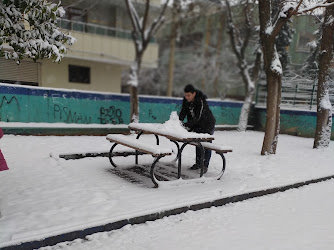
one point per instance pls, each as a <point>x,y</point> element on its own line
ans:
<point>134,20</point>
<point>232,31</point>
<point>248,28</point>
<point>145,17</point>
<point>155,25</point>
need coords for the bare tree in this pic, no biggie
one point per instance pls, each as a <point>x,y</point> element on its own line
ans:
<point>324,107</point>
<point>142,34</point>
<point>175,24</point>
<point>182,10</point>
<point>239,44</point>
<point>269,29</point>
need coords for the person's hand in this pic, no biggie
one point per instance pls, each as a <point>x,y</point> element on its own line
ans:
<point>187,127</point>
<point>184,125</point>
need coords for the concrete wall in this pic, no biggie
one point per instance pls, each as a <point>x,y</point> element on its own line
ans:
<point>33,104</point>
<point>293,122</point>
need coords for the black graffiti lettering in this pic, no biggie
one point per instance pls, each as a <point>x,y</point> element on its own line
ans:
<point>150,114</point>
<point>110,115</point>
<point>118,113</point>
<point>87,119</point>
<point>102,111</point>
<point>56,111</point>
<point>5,100</point>
<point>68,116</point>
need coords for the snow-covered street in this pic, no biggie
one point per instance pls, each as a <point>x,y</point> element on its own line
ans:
<point>42,195</point>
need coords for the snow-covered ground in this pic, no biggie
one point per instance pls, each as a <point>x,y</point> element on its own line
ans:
<point>296,219</point>
<point>42,195</point>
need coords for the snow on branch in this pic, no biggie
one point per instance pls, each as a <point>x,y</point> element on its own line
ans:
<point>28,28</point>
<point>315,6</point>
<point>293,8</point>
<point>141,34</point>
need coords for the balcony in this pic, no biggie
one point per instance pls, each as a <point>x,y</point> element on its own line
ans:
<point>105,44</point>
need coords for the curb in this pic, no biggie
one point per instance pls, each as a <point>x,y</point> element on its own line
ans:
<point>53,240</point>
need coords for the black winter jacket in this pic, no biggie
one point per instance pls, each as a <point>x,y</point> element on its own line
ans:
<point>198,113</point>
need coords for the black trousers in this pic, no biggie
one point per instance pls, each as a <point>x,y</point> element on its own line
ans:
<point>207,152</point>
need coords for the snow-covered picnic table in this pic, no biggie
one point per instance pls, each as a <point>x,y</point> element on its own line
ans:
<point>176,133</point>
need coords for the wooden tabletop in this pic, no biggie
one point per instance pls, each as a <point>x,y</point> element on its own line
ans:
<point>185,137</point>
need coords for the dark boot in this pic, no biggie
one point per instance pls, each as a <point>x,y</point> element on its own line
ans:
<point>195,166</point>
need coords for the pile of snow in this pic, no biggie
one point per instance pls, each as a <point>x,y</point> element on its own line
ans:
<point>171,128</point>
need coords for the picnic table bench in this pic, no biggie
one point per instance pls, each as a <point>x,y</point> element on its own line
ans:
<point>203,141</point>
<point>219,149</point>
<point>156,151</point>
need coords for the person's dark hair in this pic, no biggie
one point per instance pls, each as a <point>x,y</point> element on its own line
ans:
<point>189,89</point>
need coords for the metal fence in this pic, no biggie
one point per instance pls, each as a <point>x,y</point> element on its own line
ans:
<point>96,29</point>
<point>295,94</point>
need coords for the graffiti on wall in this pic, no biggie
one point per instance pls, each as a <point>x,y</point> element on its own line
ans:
<point>4,103</point>
<point>67,115</point>
<point>110,115</point>
<point>45,105</point>
<point>151,115</point>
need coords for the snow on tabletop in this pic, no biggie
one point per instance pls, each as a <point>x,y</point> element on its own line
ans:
<point>173,128</point>
<point>131,140</point>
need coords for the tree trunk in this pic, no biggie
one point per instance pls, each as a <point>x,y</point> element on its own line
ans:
<point>273,113</point>
<point>171,60</point>
<point>133,86</point>
<point>206,50</point>
<point>141,36</point>
<point>134,107</point>
<point>249,86</point>
<point>218,53</point>
<point>324,107</point>
<point>244,114</point>
<point>273,71</point>
<point>250,83</point>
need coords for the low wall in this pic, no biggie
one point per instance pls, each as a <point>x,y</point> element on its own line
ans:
<point>292,122</point>
<point>46,105</point>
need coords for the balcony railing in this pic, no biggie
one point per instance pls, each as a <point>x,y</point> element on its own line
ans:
<point>96,29</point>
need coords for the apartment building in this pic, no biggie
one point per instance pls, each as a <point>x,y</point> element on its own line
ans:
<point>102,51</point>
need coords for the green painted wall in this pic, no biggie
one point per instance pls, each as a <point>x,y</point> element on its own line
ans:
<point>31,104</point>
<point>293,122</point>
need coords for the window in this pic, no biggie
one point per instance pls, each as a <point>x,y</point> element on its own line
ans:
<point>78,74</point>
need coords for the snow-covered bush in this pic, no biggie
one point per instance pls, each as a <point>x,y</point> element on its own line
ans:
<point>28,28</point>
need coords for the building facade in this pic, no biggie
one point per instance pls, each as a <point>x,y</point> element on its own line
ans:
<point>102,51</point>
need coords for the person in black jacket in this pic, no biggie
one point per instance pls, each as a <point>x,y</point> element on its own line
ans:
<point>199,119</point>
